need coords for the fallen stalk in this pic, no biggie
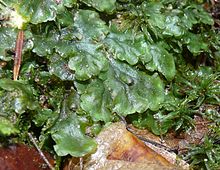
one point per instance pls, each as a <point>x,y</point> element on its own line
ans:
<point>18,54</point>
<point>39,151</point>
<point>2,4</point>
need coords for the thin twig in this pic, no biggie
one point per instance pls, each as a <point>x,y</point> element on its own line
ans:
<point>18,53</point>
<point>39,151</point>
<point>3,3</point>
<point>81,163</point>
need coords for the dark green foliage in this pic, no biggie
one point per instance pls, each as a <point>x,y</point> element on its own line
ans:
<point>205,156</point>
<point>154,62</point>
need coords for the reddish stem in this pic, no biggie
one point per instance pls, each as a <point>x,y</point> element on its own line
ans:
<point>18,54</point>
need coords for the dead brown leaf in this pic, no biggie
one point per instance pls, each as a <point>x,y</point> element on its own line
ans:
<point>22,157</point>
<point>120,149</point>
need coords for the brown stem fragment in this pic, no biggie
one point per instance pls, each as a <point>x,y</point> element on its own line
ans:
<point>18,54</point>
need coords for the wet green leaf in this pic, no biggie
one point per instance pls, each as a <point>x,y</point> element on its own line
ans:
<point>89,26</point>
<point>172,27</point>
<point>137,90</point>
<point>162,61</point>
<point>189,18</point>
<point>70,139</point>
<point>55,42</point>
<point>152,10</point>
<point>36,11</point>
<point>64,17</point>
<point>88,62</point>
<point>107,6</point>
<point>59,67</point>
<point>128,46</point>
<point>43,46</point>
<point>195,43</point>
<point>96,101</point>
